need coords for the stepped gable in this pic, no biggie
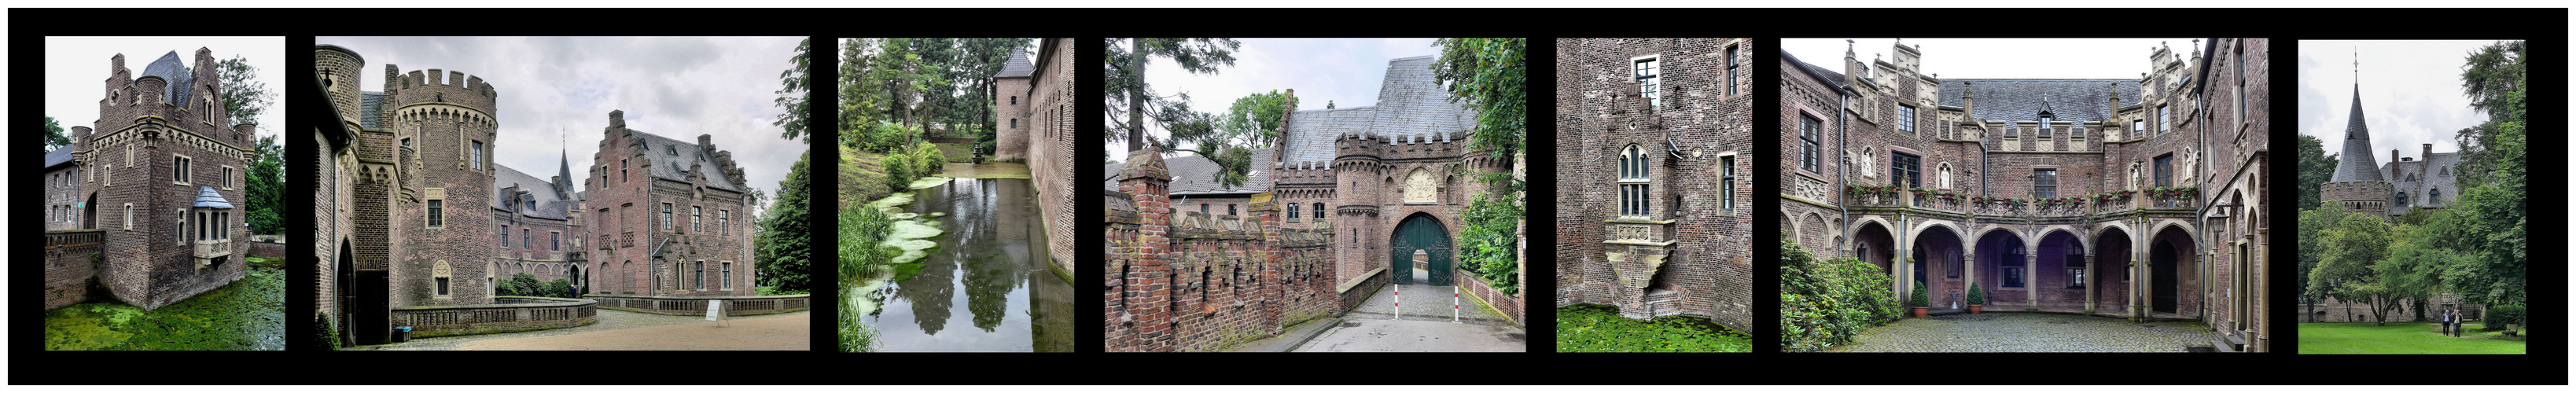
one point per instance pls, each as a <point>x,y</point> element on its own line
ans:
<point>671,159</point>
<point>2023,99</point>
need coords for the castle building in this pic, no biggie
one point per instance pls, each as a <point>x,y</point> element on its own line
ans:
<point>2386,191</point>
<point>2132,197</point>
<point>1654,208</point>
<point>413,213</point>
<point>1348,202</point>
<point>154,189</point>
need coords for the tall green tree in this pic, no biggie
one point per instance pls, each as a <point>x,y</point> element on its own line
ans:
<point>1490,76</point>
<point>2492,208</point>
<point>267,187</point>
<point>2348,269</point>
<point>784,240</point>
<point>793,84</point>
<point>1252,122</point>
<point>54,137</point>
<point>1328,104</point>
<point>1130,101</point>
<point>2313,224</point>
<point>244,96</point>
<point>2315,169</point>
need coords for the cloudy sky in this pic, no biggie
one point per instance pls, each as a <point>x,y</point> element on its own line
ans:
<point>77,68</point>
<point>556,92</point>
<point>1346,72</point>
<point>2410,93</point>
<point>2000,58</point>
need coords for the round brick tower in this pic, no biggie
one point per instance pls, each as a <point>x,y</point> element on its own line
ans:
<point>338,67</point>
<point>444,123</point>
<point>1361,177</point>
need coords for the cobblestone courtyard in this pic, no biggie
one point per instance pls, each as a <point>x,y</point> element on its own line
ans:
<point>627,330</point>
<point>2028,332</point>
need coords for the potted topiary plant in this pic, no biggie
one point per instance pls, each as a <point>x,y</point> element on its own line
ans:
<point>1922,300</point>
<point>1976,300</point>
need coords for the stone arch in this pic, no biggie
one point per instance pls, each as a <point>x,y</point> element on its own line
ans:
<point>1421,231</point>
<point>2017,236</point>
<point>2160,225</point>
<point>2070,230</point>
<point>1918,229</point>
<point>2100,229</point>
<point>439,270</point>
<point>1816,222</point>
<point>1864,222</point>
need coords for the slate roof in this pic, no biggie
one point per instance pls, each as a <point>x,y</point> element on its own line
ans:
<point>206,197</point>
<point>58,157</point>
<point>671,159</point>
<point>1195,175</point>
<point>2021,99</point>
<point>2443,176</point>
<point>1410,102</point>
<point>175,71</point>
<point>1017,67</point>
<point>1829,77</point>
<point>371,105</point>
<point>2356,143</point>
<point>549,204</point>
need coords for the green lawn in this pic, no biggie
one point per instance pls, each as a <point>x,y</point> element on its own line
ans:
<point>2397,338</point>
<point>1597,328</point>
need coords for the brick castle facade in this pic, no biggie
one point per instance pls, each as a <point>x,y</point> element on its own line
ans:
<point>2132,197</point>
<point>154,190</point>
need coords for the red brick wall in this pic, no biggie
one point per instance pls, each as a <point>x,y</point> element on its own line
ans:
<point>1011,143</point>
<point>633,205</point>
<point>1051,155</point>
<point>444,113</point>
<point>1711,266</point>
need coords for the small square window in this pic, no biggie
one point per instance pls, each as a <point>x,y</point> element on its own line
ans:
<point>2013,277</point>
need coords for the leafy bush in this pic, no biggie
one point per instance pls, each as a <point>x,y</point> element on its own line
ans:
<point>1922,298</point>
<point>1976,295</point>
<point>905,166</point>
<point>2508,314</point>
<point>1824,303</point>
<point>1597,328</point>
<point>558,288</point>
<point>884,138</point>
<point>1488,241</point>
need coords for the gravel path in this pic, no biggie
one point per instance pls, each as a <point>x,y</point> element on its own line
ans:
<point>626,330</point>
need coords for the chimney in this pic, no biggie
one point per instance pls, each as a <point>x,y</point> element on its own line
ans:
<point>1968,99</point>
<point>617,119</point>
<point>2392,157</point>
<point>1283,125</point>
<point>706,142</point>
<point>2428,152</point>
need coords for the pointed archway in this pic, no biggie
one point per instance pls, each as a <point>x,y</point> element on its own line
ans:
<point>1421,236</point>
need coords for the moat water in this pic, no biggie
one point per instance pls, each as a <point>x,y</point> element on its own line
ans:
<point>973,276</point>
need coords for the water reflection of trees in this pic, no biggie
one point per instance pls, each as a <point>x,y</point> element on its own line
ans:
<point>931,290</point>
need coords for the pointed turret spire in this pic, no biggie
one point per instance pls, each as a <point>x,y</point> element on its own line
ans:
<point>2357,163</point>
<point>563,171</point>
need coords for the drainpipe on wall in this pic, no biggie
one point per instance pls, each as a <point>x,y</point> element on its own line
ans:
<point>1842,122</point>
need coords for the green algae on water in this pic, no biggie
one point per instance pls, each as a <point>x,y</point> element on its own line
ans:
<point>928,182</point>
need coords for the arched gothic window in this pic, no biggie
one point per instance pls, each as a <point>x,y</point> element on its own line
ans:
<point>1634,177</point>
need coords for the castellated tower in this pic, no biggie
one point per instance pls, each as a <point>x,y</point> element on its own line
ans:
<point>444,122</point>
<point>1356,166</point>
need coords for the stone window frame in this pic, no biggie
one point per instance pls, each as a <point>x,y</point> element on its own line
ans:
<point>505,235</point>
<point>700,277</point>
<point>477,164</point>
<point>181,233</point>
<point>2036,176</point>
<point>1319,211</point>
<point>1810,141</point>
<point>2164,119</point>
<point>2074,277</point>
<point>724,221</point>
<point>1905,114</point>
<point>2163,165</point>
<point>437,214</point>
<point>526,238</point>
<point>1895,173</point>
<point>555,237</point>
<point>1292,211</point>
<point>666,216</point>
<point>2238,64</point>
<point>1647,72</point>
<point>442,280</point>
<point>697,219</point>
<point>621,171</point>
<point>228,178</point>
<point>1726,183</point>
<point>1636,182</point>
<point>727,283</point>
<point>180,166</point>
<point>2014,277</point>
<point>1734,69</point>
<point>129,216</point>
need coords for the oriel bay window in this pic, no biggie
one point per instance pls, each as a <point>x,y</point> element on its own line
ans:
<point>1635,176</point>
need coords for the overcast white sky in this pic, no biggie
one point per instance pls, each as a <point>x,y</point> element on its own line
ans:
<point>2410,94</point>
<point>556,92</point>
<point>2000,58</point>
<point>77,68</point>
<point>1346,72</point>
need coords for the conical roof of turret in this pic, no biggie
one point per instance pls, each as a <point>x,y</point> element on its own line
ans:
<point>2357,162</point>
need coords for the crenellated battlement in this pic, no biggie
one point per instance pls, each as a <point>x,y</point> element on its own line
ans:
<point>435,86</point>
